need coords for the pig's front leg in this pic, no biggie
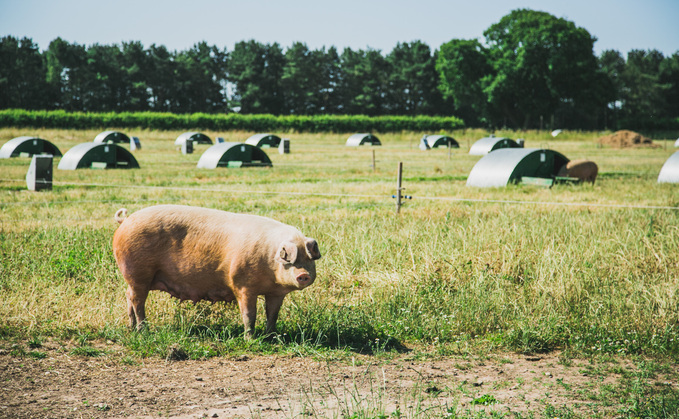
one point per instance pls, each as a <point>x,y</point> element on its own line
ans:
<point>273,306</point>
<point>248,310</point>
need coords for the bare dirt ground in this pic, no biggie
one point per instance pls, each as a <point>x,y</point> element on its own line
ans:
<point>67,386</point>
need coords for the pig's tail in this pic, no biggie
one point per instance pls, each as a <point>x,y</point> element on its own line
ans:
<point>120,216</point>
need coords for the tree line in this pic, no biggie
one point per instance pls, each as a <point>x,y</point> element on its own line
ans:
<point>532,70</point>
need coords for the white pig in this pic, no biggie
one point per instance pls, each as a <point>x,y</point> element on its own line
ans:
<point>206,254</point>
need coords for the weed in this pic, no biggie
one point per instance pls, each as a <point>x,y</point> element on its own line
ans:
<point>485,400</point>
<point>88,351</point>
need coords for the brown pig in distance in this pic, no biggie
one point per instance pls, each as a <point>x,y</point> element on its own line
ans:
<point>584,170</point>
<point>206,254</point>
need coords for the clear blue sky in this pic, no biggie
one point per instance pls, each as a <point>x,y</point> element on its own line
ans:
<point>622,25</point>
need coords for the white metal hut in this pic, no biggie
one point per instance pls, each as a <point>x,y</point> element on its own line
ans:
<point>509,165</point>
<point>670,170</point>
<point>487,144</point>
<point>362,139</point>
<point>196,137</point>
<point>264,140</point>
<point>27,146</point>
<point>111,137</point>
<point>233,155</point>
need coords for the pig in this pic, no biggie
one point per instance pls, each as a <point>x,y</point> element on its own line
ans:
<point>585,170</point>
<point>196,254</point>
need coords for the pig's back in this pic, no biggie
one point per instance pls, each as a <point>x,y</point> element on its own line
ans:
<point>177,226</point>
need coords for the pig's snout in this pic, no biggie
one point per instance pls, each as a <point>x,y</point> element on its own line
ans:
<point>303,278</point>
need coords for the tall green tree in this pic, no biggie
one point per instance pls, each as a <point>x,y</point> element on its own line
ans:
<point>463,67</point>
<point>328,98</point>
<point>612,64</point>
<point>363,82</point>
<point>160,80</point>
<point>256,70</point>
<point>302,80</point>
<point>413,79</point>
<point>67,74</point>
<point>540,64</point>
<point>644,94</point>
<point>22,75</point>
<point>669,77</point>
<point>105,85</point>
<point>136,66</point>
<point>200,73</point>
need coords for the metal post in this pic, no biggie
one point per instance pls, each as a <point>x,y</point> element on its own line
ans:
<point>398,187</point>
<point>374,166</point>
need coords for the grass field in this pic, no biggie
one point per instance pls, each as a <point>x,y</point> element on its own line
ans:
<point>583,269</point>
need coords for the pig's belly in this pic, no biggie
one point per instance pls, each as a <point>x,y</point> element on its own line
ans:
<point>208,290</point>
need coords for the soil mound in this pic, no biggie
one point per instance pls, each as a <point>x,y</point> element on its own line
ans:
<point>625,139</point>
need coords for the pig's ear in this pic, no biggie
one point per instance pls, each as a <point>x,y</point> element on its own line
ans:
<point>287,253</point>
<point>312,249</point>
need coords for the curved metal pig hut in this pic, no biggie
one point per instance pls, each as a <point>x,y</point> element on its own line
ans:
<point>97,156</point>
<point>436,141</point>
<point>264,140</point>
<point>513,164</point>
<point>111,137</point>
<point>670,170</point>
<point>487,144</point>
<point>233,155</point>
<point>196,137</point>
<point>27,146</point>
<point>362,139</point>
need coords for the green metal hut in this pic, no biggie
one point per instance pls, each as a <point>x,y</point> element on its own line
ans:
<point>362,139</point>
<point>487,144</point>
<point>435,141</point>
<point>233,155</point>
<point>111,137</point>
<point>97,156</point>
<point>264,140</point>
<point>511,165</point>
<point>27,146</point>
<point>196,137</point>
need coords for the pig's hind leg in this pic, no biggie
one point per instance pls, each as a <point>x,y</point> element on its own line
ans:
<point>248,310</point>
<point>136,301</point>
<point>138,280</point>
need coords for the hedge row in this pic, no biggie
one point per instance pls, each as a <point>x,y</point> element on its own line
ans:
<point>226,122</point>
